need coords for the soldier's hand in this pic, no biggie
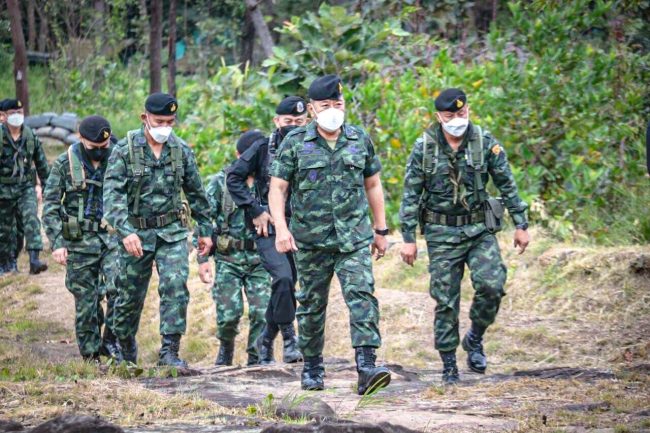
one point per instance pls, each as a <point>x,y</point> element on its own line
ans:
<point>39,193</point>
<point>409,253</point>
<point>133,245</point>
<point>522,239</point>
<point>205,272</point>
<point>60,255</point>
<point>261,223</point>
<point>379,246</point>
<point>205,245</point>
<point>284,241</point>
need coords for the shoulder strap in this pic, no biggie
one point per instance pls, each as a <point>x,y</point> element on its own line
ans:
<point>227,208</point>
<point>77,172</point>
<point>475,153</point>
<point>2,138</point>
<point>430,152</point>
<point>136,163</point>
<point>177,168</point>
<point>29,140</point>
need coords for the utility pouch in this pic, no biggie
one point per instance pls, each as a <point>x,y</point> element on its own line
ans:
<point>494,212</point>
<point>72,230</point>
<point>223,244</point>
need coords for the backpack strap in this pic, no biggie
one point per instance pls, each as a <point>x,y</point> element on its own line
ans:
<point>2,138</point>
<point>430,153</point>
<point>136,164</point>
<point>30,141</point>
<point>475,155</point>
<point>78,175</point>
<point>228,208</point>
<point>177,169</point>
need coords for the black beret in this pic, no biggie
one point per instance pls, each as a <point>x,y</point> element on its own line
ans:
<point>95,128</point>
<point>248,138</point>
<point>11,104</point>
<point>451,100</point>
<point>161,103</point>
<point>327,87</point>
<point>293,105</point>
<point>2,104</point>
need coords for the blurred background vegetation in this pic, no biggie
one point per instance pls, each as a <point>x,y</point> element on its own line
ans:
<point>565,86</point>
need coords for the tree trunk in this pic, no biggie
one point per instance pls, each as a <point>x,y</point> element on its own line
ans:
<point>20,56</point>
<point>155,46</point>
<point>43,34</point>
<point>247,42</point>
<point>99,21</point>
<point>260,27</point>
<point>171,62</point>
<point>31,25</point>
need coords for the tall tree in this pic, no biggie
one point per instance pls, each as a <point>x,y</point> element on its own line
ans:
<point>261,28</point>
<point>31,25</point>
<point>247,41</point>
<point>155,46</point>
<point>171,62</point>
<point>20,56</point>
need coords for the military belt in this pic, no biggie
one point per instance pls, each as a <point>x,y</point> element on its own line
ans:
<point>155,221</point>
<point>453,220</point>
<point>15,180</point>
<point>89,225</point>
<point>243,245</point>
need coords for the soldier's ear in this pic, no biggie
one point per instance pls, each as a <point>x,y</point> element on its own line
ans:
<point>143,117</point>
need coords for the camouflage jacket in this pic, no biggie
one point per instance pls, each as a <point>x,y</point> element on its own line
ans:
<point>236,227</point>
<point>19,163</point>
<point>156,193</point>
<point>328,199</point>
<point>438,194</point>
<point>61,199</point>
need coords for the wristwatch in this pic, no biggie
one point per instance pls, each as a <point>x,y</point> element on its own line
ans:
<point>381,232</point>
<point>523,226</point>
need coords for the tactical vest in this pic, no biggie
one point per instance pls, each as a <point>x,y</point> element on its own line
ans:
<point>75,225</point>
<point>137,164</point>
<point>30,145</point>
<point>474,155</point>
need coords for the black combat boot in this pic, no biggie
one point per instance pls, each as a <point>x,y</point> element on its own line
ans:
<point>252,360</point>
<point>313,374</point>
<point>290,354</point>
<point>92,358</point>
<point>168,355</point>
<point>449,368</point>
<point>264,345</point>
<point>12,266</point>
<point>371,377</point>
<point>226,352</point>
<point>473,345</point>
<point>35,265</point>
<point>110,347</point>
<point>129,349</point>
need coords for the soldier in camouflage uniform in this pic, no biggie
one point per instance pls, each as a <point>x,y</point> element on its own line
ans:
<point>21,158</point>
<point>333,173</point>
<point>18,234</point>
<point>147,173</point>
<point>73,219</point>
<point>445,191</point>
<point>238,267</point>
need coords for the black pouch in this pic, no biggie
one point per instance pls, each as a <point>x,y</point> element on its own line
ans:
<point>72,230</point>
<point>494,212</point>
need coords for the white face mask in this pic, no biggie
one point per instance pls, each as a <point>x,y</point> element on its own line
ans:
<point>331,119</point>
<point>456,126</point>
<point>160,134</point>
<point>16,119</point>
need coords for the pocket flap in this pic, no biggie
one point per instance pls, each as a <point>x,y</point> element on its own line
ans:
<point>357,161</point>
<point>304,164</point>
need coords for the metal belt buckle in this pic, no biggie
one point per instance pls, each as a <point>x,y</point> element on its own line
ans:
<point>161,220</point>
<point>142,222</point>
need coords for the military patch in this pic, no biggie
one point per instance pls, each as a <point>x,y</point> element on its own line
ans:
<point>300,107</point>
<point>172,107</point>
<point>496,149</point>
<point>459,103</point>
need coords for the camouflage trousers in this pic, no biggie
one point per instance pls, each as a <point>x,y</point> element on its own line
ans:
<point>25,207</point>
<point>447,267</point>
<point>91,278</point>
<point>132,285</point>
<point>354,271</point>
<point>230,280</point>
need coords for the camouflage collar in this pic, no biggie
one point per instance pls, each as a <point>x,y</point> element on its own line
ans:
<point>312,131</point>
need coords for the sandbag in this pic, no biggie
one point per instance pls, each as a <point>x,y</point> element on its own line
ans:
<point>38,121</point>
<point>67,121</point>
<point>59,133</point>
<point>44,131</point>
<point>72,138</point>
